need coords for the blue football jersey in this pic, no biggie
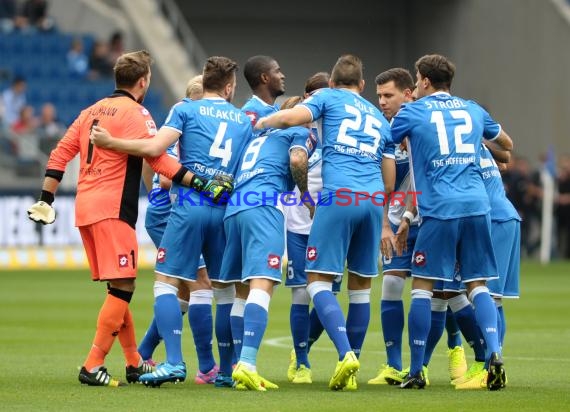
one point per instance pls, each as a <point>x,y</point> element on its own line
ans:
<point>445,134</point>
<point>213,135</point>
<point>264,173</point>
<point>354,137</point>
<point>501,207</point>
<point>255,109</point>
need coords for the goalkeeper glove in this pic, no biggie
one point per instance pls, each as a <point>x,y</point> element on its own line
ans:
<point>215,188</point>
<point>42,211</point>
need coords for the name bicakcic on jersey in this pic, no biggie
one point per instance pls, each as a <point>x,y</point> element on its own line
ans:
<point>340,197</point>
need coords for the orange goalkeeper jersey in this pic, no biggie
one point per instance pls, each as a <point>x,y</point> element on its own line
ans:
<point>109,181</point>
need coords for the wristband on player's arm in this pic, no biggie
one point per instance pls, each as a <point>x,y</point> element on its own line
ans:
<point>47,197</point>
<point>409,216</point>
<point>179,176</point>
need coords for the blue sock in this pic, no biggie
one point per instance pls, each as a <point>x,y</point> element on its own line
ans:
<point>299,321</point>
<point>316,328</point>
<point>169,322</point>
<point>486,315</point>
<point>332,319</point>
<point>224,338</point>
<point>254,324</point>
<point>150,341</point>
<point>453,332</point>
<point>468,325</point>
<point>200,319</point>
<point>435,333</point>
<point>502,325</point>
<point>358,318</point>
<point>236,323</point>
<point>392,319</point>
<point>419,322</point>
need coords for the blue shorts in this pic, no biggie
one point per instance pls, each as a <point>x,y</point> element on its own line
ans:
<point>192,231</point>
<point>443,243</point>
<point>449,286</point>
<point>155,221</point>
<point>342,234</point>
<point>255,245</point>
<point>296,250</point>
<point>506,243</point>
<point>401,263</point>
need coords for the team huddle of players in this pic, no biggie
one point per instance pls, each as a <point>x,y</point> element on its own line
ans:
<point>327,142</point>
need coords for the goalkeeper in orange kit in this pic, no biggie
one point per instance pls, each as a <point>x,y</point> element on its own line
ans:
<point>106,207</point>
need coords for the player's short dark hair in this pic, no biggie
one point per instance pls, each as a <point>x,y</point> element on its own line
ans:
<point>347,71</point>
<point>401,77</point>
<point>130,67</point>
<point>254,67</point>
<point>218,72</point>
<point>291,102</point>
<point>317,81</point>
<point>438,69</point>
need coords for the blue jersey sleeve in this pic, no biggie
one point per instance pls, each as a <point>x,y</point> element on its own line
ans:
<point>491,128</point>
<point>401,125</point>
<point>172,150</point>
<point>176,118</point>
<point>389,149</point>
<point>315,103</point>
<point>303,138</point>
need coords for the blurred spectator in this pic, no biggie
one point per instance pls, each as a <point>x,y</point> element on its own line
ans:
<point>524,191</point>
<point>116,47</point>
<point>27,123</point>
<point>49,127</point>
<point>77,63</point>
<point>563,211</point>
<point>7,15</point>
<point>49,130</point>
<point>99,61</point>
<point>33,15</point>
<point>13,99</point>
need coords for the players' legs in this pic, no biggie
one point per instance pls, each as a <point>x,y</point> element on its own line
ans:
<point>392,316</point>
<point>255,319</point>
<point>201,323</point>
<point>299,321</point>
<point>168,316</point>
<point>103,242</point>
<point>465,318</point>
<point>316,328</point>
<point>263,237</point>
<point>485,313</point>
<point>155,230</point>
<point>224,295</point>
<point>358,316</point>
<point>475,270</point>
<point>452,329</point>
<point>109,323</point>
<point>438,312</point>
<point>329,311</point>
<point>299,312</point>
<point>419,322</point>
<point>431,261</point>
<point>237,317</point>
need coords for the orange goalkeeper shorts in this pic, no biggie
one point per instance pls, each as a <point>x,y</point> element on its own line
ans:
<point>111,248</point>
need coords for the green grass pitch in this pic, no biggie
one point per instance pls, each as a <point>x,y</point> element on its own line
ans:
<point>47,321</point>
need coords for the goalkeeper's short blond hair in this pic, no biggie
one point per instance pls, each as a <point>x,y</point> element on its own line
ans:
<point>194,89</point>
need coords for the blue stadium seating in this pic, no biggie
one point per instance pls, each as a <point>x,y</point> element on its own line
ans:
<point>41,59</point>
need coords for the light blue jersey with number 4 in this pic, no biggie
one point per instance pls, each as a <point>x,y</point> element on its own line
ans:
<point>445,134</point>
<point>213,135</point>
<point>355,135</point>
